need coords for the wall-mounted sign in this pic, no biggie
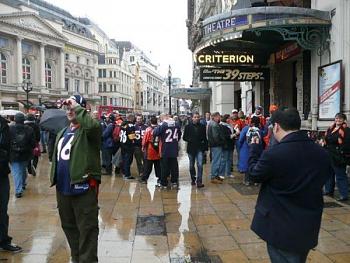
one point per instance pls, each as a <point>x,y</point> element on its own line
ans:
<point>224,59</point>
<point>286,52</point>
<point>233,74</point>
<point>225,23</point>
<point>329,90</point>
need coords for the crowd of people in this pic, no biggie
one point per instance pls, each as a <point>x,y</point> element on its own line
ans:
<point>270,150</point>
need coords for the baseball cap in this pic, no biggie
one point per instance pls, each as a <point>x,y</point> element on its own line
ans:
<point>79,99</point>
<point>234,110</point>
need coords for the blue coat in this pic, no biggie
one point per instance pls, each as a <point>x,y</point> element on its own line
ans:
<point>107,137</point>
<point>290,203</point>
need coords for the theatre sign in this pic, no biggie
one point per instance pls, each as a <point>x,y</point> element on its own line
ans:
<point>233,74</point>
<point>224,59</point>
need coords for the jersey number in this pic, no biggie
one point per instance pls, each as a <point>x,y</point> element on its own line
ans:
<point>123,136</point>
<point>170,136</point>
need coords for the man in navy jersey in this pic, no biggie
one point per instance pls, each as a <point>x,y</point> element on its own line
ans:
<point>140,129</point>
<point>169,133</point>
<point>127,144</point>
<point>76,172</point>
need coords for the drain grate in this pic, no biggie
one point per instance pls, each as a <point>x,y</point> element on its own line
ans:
<point>150,226</point>
<point>245,190</point>
<point>331,205</point>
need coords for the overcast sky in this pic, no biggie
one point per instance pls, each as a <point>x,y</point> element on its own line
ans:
<point>156,26</point>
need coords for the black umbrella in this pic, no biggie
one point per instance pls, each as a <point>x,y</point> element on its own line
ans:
<point>54,120</point>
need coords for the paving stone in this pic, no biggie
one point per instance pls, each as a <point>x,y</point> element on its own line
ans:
<point>150,225</point>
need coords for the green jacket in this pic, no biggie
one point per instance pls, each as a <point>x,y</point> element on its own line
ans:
<point>84,159</point>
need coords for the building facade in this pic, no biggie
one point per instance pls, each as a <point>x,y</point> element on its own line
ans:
<point>253,53</point>
<point>47,47</point>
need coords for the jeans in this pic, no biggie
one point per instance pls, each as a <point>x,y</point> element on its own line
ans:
<point>148,164</point>
<point>227,159</point>
<point>4,218</point>
<point>169,166</point>
<point>19,174</point>
<point>139,159</point>
<point>282,256</point>
<point>199,158</point>
<point>107,155</point>
<point>127,161</point>
<point>340,176</point>
<point>43,140</point>
<point>216,163</point>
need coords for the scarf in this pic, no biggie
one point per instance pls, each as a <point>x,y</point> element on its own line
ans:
<point>341,132</point>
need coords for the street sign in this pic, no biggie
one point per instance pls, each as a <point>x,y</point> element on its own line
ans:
<point>233,74</point>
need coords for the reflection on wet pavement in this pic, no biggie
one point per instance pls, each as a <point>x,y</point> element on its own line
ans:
<point>140,223</point>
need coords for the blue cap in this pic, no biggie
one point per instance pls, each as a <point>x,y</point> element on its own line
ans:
<point>79,99</point>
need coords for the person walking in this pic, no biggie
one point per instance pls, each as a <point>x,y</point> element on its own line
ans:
<point>290,202</point>
<point>140,129</point>
<point>337,142</point>
<point>197,144</point>
<point>5,146</point>
<point>76,173</point>
<point>150,148</point>
<point>22,145</point>
<point>229,146</point>
<point>109,146</point>
<point>216,141</point>
<point>127,144</point>
<point>33,163</point>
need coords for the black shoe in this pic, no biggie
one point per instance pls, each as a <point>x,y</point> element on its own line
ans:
<point>193,183</point>
<point>11,248</point>
<point>200,185</point>
<point>19,195</point>
<point>331,194</point>
<point>129,177</point>
<point>342,199</point>
<point>142,181</point>
<point>117,170</point>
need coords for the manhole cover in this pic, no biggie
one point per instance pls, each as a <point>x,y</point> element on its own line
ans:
<point>245,190</point>
<point>331,205</point>
<point>150,226</point>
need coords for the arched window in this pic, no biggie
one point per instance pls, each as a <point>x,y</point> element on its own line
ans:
<point>26,69</point>
<point>48,75</point>
<point>3,69</point>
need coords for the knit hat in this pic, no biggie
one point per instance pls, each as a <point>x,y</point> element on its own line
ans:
<point>79,99</point>
<point>19,118</point>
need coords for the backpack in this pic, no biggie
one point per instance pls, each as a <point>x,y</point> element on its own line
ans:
<point>4,143</point>
<point>251,133</point>
<point>19,143</point>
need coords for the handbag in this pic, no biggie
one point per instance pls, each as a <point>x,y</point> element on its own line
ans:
<point>36,150</point>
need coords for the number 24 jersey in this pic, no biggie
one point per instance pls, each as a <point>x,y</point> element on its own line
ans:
<point>170,134</point>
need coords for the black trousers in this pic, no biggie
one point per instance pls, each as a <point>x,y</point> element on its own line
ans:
<point>79,219</point>
<point>148,164</point>
<point>4,218</point>
<point>169,167</point>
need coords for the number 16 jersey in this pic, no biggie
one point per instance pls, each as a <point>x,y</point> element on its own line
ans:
<point>169,133</point>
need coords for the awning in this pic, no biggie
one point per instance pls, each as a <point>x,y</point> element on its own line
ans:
<point>191,93</point>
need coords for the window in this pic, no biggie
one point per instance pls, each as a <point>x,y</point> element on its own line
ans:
<point>137,98</point>
<point>111,74</point>
<point>78,59</point>
<point>100,86</point>
<point>4,42</point>
<point>66,84</point>
<point>132,58</point>
<point>141,99</point>
<point>115,87</point>
<point>27,48</point>
<point>48,75</point>
<point>67,56</point>
<point>76,85</point>
<point>111,88</point>
<point>26,69</point>
<point>77,73</point>
<point>104,87</point>
<point>87,61</point>
<point>3,69</point>
<point>104,73</point>
<point>110,101</point>
<point>104,100</point>
<point>115,74</point>
<point>86,87</point>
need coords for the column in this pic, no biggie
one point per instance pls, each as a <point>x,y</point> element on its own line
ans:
<point>42,82</point>
<point>19,60</point>
<point>61,70</point>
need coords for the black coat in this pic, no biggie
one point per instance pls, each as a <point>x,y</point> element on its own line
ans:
<point>338,152</point>
<point>290,203</point>
<point>196,138</point>
<point>5,143</point>
<point>27,153</point>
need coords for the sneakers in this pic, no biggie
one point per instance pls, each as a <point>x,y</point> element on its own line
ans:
<point>158,184</point>
<point>11,248</point>
<point>175,186</point>
<point>216,180</point>
<point>221,177</point>
<point>129,177</point>
<point>19,195</point>
<point>231,176</point>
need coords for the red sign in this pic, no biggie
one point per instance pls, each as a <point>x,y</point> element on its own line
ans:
<point>288,51</point>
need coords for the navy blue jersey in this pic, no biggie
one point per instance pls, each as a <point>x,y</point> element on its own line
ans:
<point>139,133</point>
<point>64,185</point>
<point>127,136</point>
<point>170,133</point>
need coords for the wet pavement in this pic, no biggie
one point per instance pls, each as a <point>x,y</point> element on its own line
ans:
<point>140,223</point>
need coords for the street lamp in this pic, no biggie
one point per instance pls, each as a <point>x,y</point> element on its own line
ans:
<point>27,86</point>
<point>169,79</point>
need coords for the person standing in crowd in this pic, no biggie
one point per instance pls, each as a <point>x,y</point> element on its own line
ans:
<point>22,145</point>
<point>5,146</point>
<point>245,138</point>
<point>216,141</point>
<point>196,138</point>
<point>127,144</point>
<point>290,203</point>
<point>229,146</point>
<point>109,146</point>
<point>140,129</point>
<point>208,117</point>
<point>76,172</point>
<point>237,124</point>
<point>43,140</point>
<point>169,133</point>
<point>269,139</point>
<point>150,148</point>
<point>259,113</point>
<point>33,163</point>
<point>337,142</point>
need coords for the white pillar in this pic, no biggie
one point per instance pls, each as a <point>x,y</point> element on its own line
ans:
<point>19,60</point>
<point>61,70</point>
<point>42,66</point>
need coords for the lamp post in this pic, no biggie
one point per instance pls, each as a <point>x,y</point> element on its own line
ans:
<point>169,79</point>
<point>27,86</point>
<point>39,98</point>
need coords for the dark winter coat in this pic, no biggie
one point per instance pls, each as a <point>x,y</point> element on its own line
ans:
<point>290,203</point>
<point>216,136</point>
<point>27,152</point>
<point>337,151</point>
<point>196,138</point>
<point>5,143</point>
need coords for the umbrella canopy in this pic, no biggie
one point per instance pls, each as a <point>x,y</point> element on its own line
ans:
<point>54,120</point>
<point>9,112</point>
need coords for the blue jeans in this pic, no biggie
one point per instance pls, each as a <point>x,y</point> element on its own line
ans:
<point>227,156</point>
<point>281,256</point>
<point>216,162</point>
<point>19,174</point>
<point>342,181</point>
<point>199,158</point>
<point>127,161</point>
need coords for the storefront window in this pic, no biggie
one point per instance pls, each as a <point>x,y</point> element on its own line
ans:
<point>3,69</point>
